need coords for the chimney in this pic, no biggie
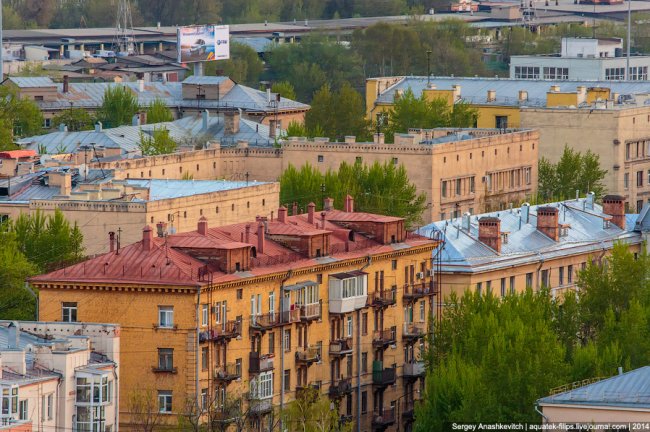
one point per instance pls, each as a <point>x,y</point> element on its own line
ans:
<point>205,116</point>
<point>272,128</point>
<point>141,85</point>
<point>614,205</point>
<point>260,237</point>
<point>555,88</point>
<point>66,184</point>
<point>350,139</point>
<point>63,127</point>
<point>282,214</point>
<point>378,138</point>
<point>66,83</point>
<point>230,123</point>
<point>489,232</point>
<point>13,336</point>
<point>111,241</point>
<point>322,215</point>
<point>247,237</point>
<point>466,221</point>
<point>456,89</point>
<point>589,201</point>
<point>523,95</point>
<point>548,222</point>
<point>98,126</point>
<point>328,204</point>
<point>147,238</point>
<point>525,212</point>
<point>311,207</point>
<point>143,117</point>
<point>349,204</point>
<point>135,120</point>
<point>161,228</point>
<point>294,210</point>
<point>491,95</point>
<point>203,226</point>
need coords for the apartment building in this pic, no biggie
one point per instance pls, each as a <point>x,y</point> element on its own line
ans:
<point>531,246</point>
<point>59,375</point>
<point>260,311</point>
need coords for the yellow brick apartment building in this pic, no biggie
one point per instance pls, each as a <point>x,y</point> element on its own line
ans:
<point>261,310</point>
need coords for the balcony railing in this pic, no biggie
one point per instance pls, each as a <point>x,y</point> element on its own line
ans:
<point>384,377</point>
<point>308,355</point>
<point>259,363</point>
<point>384,337</point>
<point>273,319</point>
<point>414,330</point>
<point>259,406</point>
<point>414,369</point>
<point>384,298</point>
<point>415,291</point>
<point>408,409</point>
<point>228,372</point>
<point>383,418</point>
<point>310,312</point>
<point>226,331</point>
<point>340,387</point>
<point>341,347</point>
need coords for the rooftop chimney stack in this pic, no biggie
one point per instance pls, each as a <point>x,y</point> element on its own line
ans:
<point>141,85</point>
<point>489,232</point>
<point>349,204</point>
<point>66,83</point>
<point>111,241</point>
<point>98,126</point>
<point>147,238</point>
<point>322,215</point>
<point>548,222</point>
<point>282,214</point>
<point>328,204</point>
<point>523,95</point>
<point>311,207</point>
<point>466,221</point>
<point>614,205</point>
<point>247,229</point>
<point>491,95</point>
<point>589,202</point>
<point>203,226</point>
<point>260,237</point>
<point>13,336</point>
<point>525,213</point>
<point>231,123</point>
<point>294,210</point>
<point>205,120</point>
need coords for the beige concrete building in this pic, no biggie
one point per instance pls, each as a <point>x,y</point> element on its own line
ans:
<point>103,204</point>
<point>471,170</point>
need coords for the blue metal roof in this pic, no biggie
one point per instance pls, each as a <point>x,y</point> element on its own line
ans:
<point>169,189</point>
<point>27,82</point>
<point>629,390</point>
<point>205,80</point>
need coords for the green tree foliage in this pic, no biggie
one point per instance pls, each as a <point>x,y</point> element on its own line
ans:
<point>377,188</point>
<point>338,113</point>
<point>158,143</point>
<point>312,412</point>
<point>157,112</point>
<point>285,89</point>
<point>574,171</point>
<point>119,105</point>
<point>411,112</point>
<point>18,118</point>
<point>244,65</point>
<point>15,301</point>
<point>76,119</point>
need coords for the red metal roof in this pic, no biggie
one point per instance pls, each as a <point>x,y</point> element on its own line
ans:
<point>17,154</point>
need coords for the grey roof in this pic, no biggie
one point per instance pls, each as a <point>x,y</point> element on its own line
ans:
<point>259,44</point>
<point>205,80</point>
<point>27,82</point>
<point>629,390</point>
<point>462,252</point>
<point>168,189</point>
<point>474,90</point>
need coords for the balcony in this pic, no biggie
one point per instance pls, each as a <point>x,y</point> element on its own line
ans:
<point>383,338</point>
<point>384,377</point>
<point>415,291</point>
<point>383,418</point>
<point>226,331</point>
<point>259,406</point>
<point>259,363</point>
<point>408,410</point>
<point>414,330</point>
<point>347,292</point>
<point>310,391</point>
<point>341,347</point>
<point>226,414</point>
<point>228,372</point>
<point>270,320</point>
<point>384,298</point>
<point>308,355</point>
<point>310,312</point>
<point>340,388</point>
<point>414,370</point>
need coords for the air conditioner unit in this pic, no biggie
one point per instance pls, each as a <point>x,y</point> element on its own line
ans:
<point>419,275</point>
<point>430,273</point>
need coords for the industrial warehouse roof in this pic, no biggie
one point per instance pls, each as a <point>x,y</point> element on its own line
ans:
<point>128,137</point>
<point>629,390</point>
<point>474,90</point>
<point>462,252</point>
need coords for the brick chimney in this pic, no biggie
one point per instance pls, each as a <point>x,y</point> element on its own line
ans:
<point>322,215</point>
<point>548,222</point>
<point>489,232</point>
<point>66,83</point>
<point>294,210</point>
<point>260,237</point>
<point>328,204</point>
<point>111,240</point>
<point>147,238</point>
<point>203,226</point>
<point>230,123</point>
<point>349,204</point>
<point>282,215</point>
<point>614,205</point>
<point>311,207</point>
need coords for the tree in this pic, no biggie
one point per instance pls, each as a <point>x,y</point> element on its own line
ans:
<point>18,118</point>
<point>285,89</point>
<point>378,188</point>
<point>310,411</point>
<point>574,171</point>
<point>16,302</point>
<point>244,65</point>
<point>119,105</point>
<point>143,409</point>
<point>76,119</point>
<point>157,112</point>
<point>338,113</point>
<point>157,143</point>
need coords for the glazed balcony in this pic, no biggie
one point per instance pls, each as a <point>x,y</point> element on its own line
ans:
<point>307,355</point>
<point>384,298</point>
<point>341,347</point>
<point>340,388</point>
<point>270,320</point>
<point>310,312</point>
<point>257,406</point>
<point>384,418</point>
<point>383,338</point>
<point>226,331</point>
<point>384,377</point>
<point>227,372</point>
<point>414,292</point>
<point>413,370</point>
<point>259,363</point>
<point>413,331</point>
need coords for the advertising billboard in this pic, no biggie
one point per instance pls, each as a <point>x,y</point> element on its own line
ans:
<point>203,43</point>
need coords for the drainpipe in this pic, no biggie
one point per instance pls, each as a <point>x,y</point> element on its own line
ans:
<point>539,268</point>
<point>540,412</point>
<point>284,280</point>
<point>116,389</point>
<point>198,349</point>
<point>365,266</point>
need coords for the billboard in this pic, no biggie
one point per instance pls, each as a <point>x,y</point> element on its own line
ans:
<point>203,43</point>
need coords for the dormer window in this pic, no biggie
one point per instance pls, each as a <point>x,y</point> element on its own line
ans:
<point>504,237</point>
<point>237,266</point>
<point>606,224</point>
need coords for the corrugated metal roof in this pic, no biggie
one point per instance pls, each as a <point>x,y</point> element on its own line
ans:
<point>259,44</point>
<point>630,390</point>
<point>27,82</point>
<point>169,189</point>
<point>205,80</point>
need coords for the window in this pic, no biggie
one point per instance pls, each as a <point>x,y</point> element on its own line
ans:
<point>349,366</point>
<point>50,406</point>
<point>271,343</point>
<point>458,186</point>
<point>9,401</point>
<point>69,312</point>
<point>444,189</point>
<point>364,323</point>
<point>471,185</point>
<point>217,312</point>
<point>349,326</point>
<point>287,340</point>
<point>626,181</point>
<point>639,206</point>
<point>615,73</point>
<point>364,362</point>
<point>204,399</point>
<point>527,173</point>
<point>488,287</point>
<point>569,274</point>
<point>639,178</point>
<point>204,358</point>
<point>501,122</point>
<point>479,285</point>
<point>165,359</point>
<point>529,280</point>
<point>47,123</point>
<point>638,73</point>
<point>22,409</point>
<point>526,72</point>
<point>262,387</point>
<point>364,402</point>
<point>165,401</point>
<point>395,161</point>
<point>240,293</point>
<point>287,379</point>
<point>422,311</point>
<point>166,316</point>
<point>503,287</point>
<point>358,159</point>
<point>546,278</point>
<point>204,315</point>
<point>556,73</point>
<point>91,418</point>
<point>94,389</point>
<point>561,276</point>
<point>512,284</point>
